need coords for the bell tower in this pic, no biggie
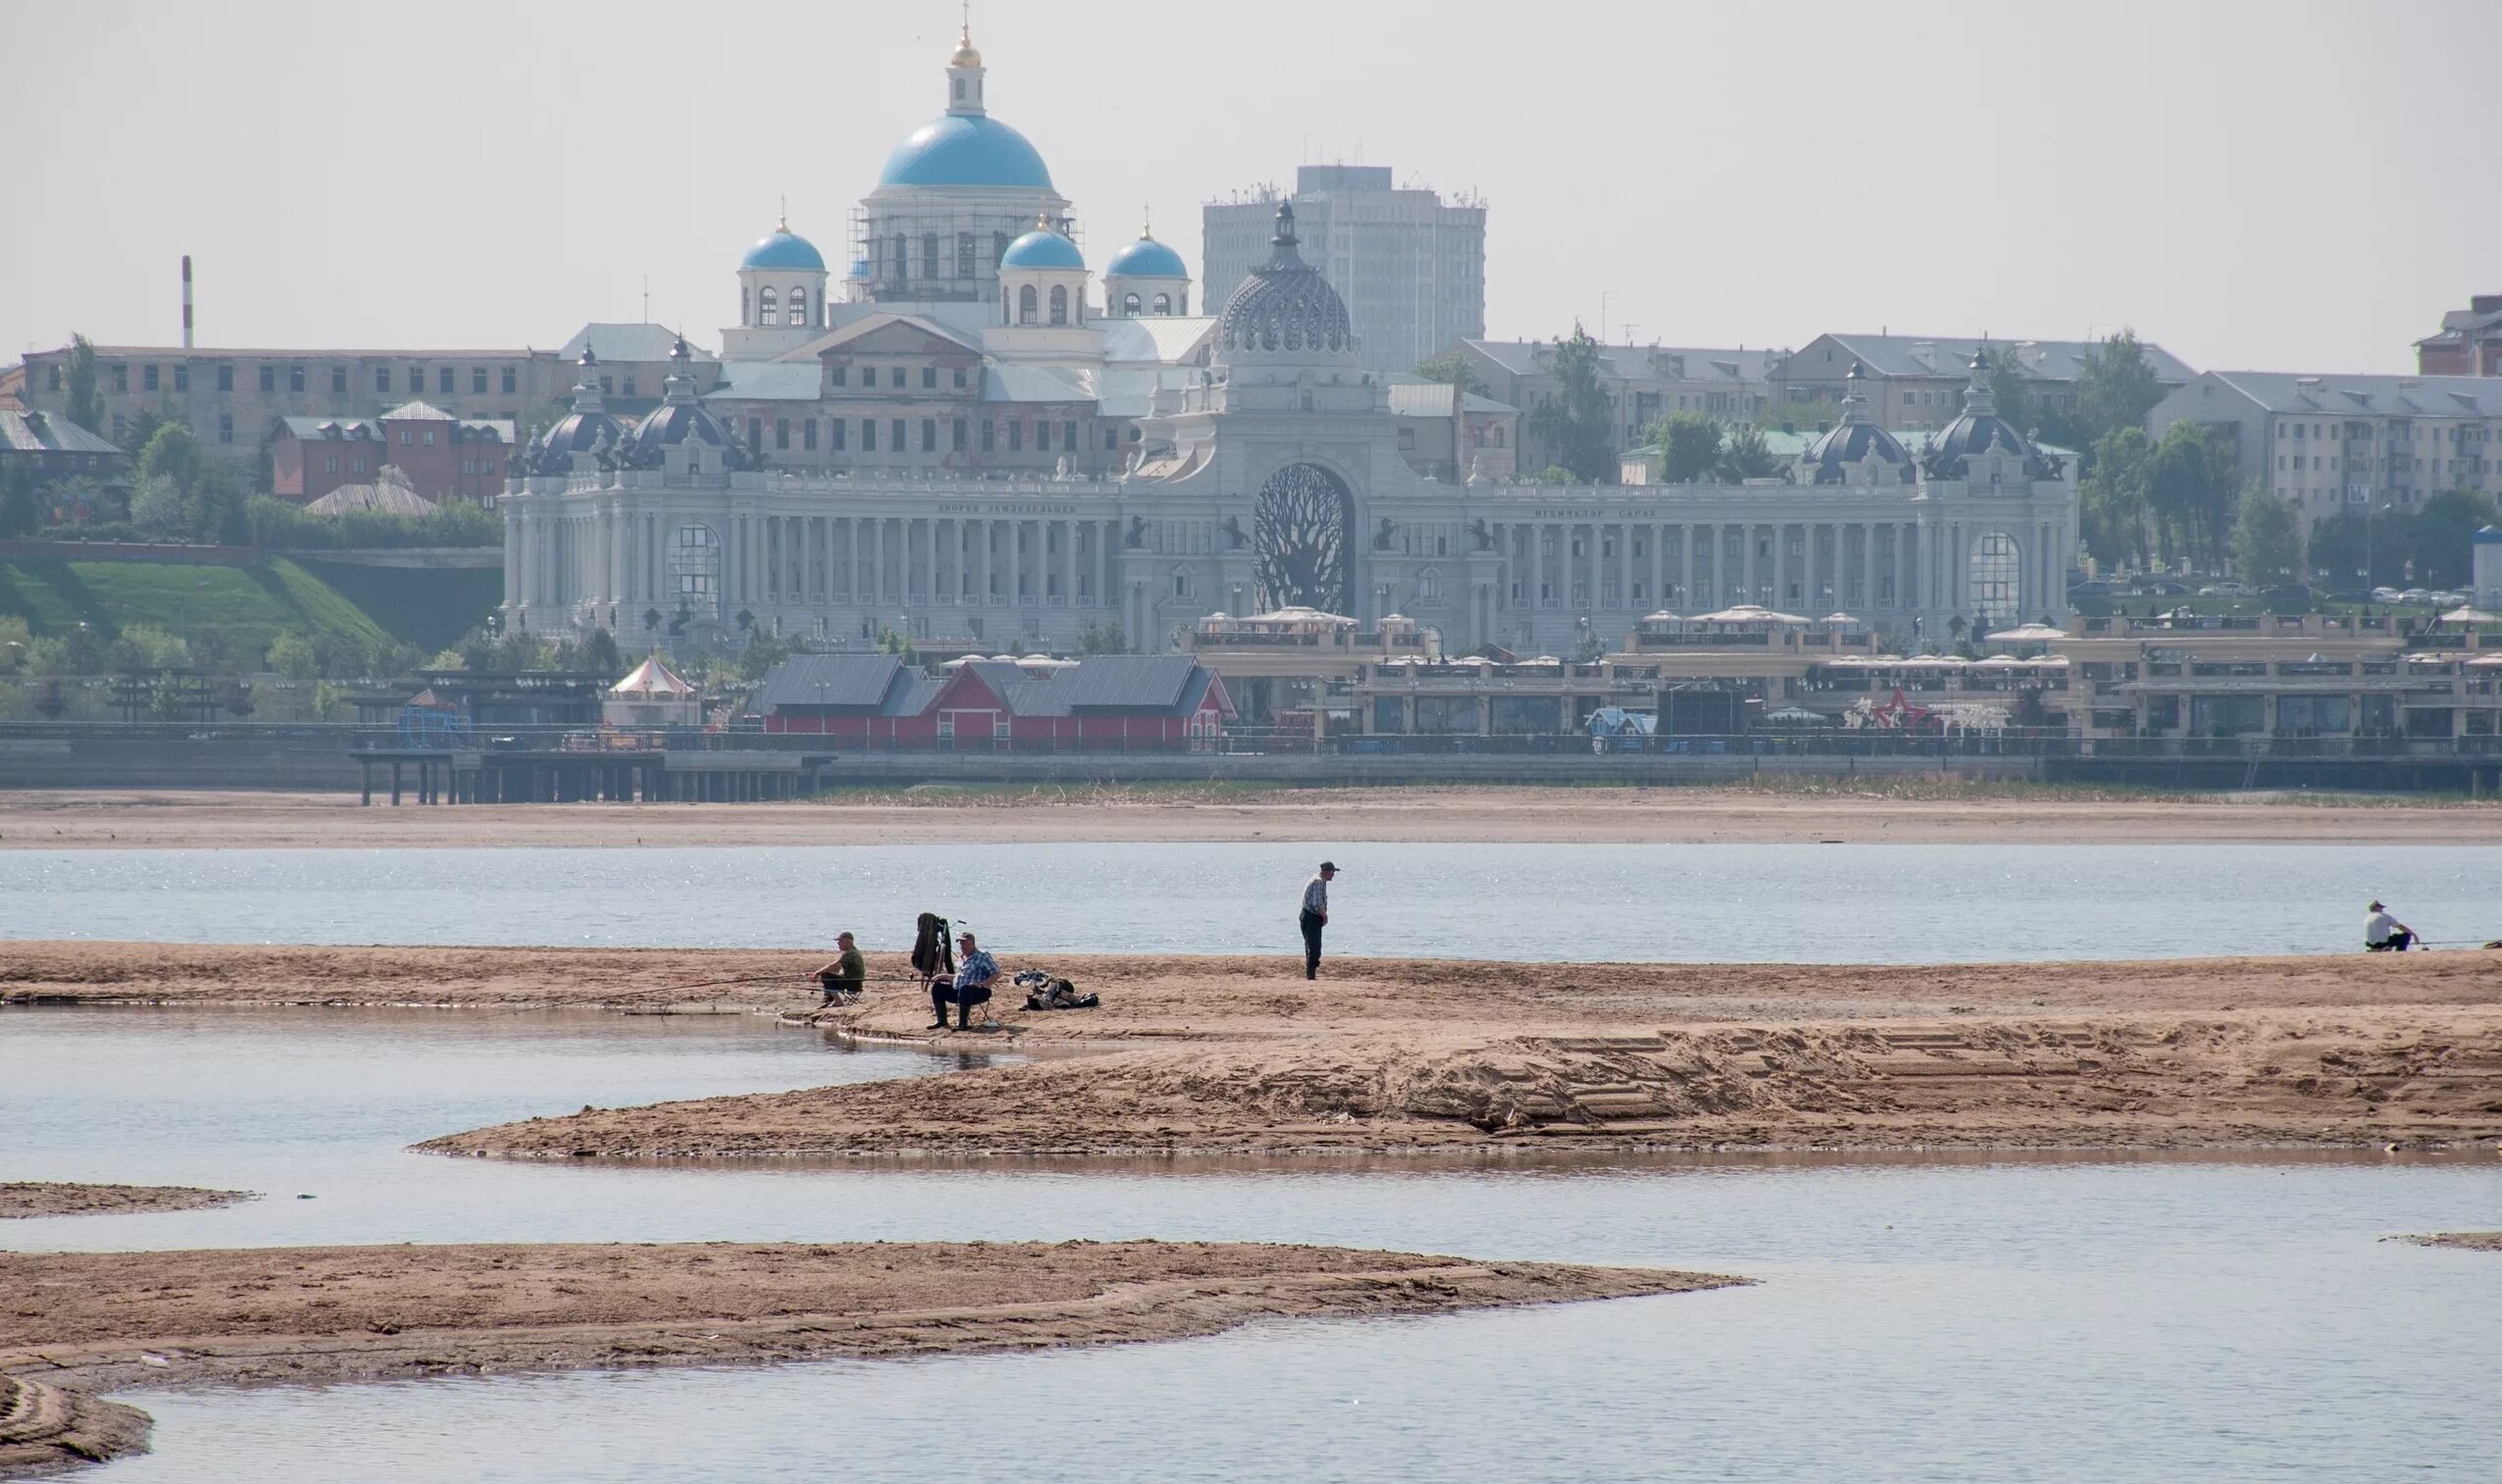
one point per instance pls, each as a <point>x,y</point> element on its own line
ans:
<point>964,71</point>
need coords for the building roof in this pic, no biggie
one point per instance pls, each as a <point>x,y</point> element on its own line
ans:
<point>625,343</point>
<point>359,429</point>
<point>1156,339</point>
<point>417,412</point>
<point>784,248</point>
<point>1637,363</point>
<point>965,150</point>
<point>870,323</point>
<point>317,353</point>
<point>47,432</point>
<point>1043,248</point>
<point>851,681</point>
<point>1128,682</point>
<point>310,429</point>
<point>388,494</point>
<point>1413,396</point>
<point>1906,355</point>
<point>2387,395</point>
<point>1146,258</point>
<point>769,382</point>
<point>652,679</point>
<point>1016,383</point>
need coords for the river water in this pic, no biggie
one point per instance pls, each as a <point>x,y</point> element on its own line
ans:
<point>1964,1319</point>
<point>1858,904</point>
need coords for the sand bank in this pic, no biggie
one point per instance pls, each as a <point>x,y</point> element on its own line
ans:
<point>46,1429</point>
<point>1789,815</point>
<point>43,1197</point>
<point>318,1314</point>
<point>2474,1242</point>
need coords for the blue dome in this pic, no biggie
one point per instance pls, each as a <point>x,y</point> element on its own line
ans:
<point>965,150</point>
<point>785,248</point>
<point>1146,258</point>
<point>1043,248</point>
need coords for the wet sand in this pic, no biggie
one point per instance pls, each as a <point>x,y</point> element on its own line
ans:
<point>78,1322</point>
<point>1790,814</point>
<point>2474,1242</point>
<point>1233,1057</point>
<point>41,1197</point>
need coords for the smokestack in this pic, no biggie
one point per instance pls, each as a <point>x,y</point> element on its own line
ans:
<point>187,301</point>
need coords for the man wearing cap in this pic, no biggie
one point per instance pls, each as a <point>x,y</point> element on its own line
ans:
<point>1315,916</point>
<point>2384,934</point>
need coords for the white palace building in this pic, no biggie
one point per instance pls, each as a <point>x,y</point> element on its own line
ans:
<point>968,445</point>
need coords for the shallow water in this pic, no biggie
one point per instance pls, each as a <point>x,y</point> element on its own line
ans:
<point>1957,1319</point>
<point>1705,904</point>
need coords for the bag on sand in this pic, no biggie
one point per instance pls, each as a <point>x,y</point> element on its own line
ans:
<point>1059,994</point>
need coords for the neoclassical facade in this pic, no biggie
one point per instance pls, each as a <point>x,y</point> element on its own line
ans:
<point>966,449</point>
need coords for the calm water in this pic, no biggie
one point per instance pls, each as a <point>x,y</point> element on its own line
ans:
<point>1793,903</point>
<point>2044,1320</point>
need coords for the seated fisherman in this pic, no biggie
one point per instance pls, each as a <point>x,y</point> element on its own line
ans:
<point>976,971</point>
<point>844,977</point>
<point>2384,934</point>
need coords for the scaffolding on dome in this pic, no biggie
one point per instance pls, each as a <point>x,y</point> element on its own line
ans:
<point>940,241</point>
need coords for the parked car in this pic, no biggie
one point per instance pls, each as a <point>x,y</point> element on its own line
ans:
<point>2384,595</point>
<point>2415,597</point>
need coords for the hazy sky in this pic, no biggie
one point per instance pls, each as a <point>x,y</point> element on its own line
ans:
<point>2284,185</point>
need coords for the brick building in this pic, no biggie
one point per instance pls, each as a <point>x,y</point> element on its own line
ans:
<point>443,457</point>
<point>2468,342</point>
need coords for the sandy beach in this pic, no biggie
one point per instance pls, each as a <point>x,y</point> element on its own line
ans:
<point>92,1320</point>
<point>2473,1242</point>
<point>1235,1056</point>
<point>47,1198</point>
<point>1800,814</point>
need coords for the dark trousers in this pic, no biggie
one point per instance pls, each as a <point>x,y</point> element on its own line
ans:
<point>1311,923</point>
<point>2398,943</point>
<point>943,993</point>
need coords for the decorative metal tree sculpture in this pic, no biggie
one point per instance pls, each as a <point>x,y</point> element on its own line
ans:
<point>1299,525</point>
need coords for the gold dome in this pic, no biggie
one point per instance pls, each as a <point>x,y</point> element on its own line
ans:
<point>965,55</point>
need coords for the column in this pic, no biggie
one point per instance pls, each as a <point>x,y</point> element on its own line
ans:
<point>930,562</point>
<point>1658,568</point>
<point>1068,562</point>
<point>1780,566</point>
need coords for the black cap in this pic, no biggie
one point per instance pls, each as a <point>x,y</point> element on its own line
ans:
<point>1329,866</point>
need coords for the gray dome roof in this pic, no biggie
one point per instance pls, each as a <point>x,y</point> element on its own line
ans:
<point>1850,442</point>
<point>681,419</point>
<point>1285,305</point>
<point>587,428</point>
<point>1978,430</point>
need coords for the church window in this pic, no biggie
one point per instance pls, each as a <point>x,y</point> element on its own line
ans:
<point>999,247</point>
<point>1164,303</point>
<point>839,376</point>
<point>767,305</point>
<point>1025,305</point>
<point>960,377</point>
<point>1129,304</point>
<point>1059,303</point>
<point>965,254</point>
<point>929,379</point>
<point>929,255</point>
<point>895,375</point>
<point>743,308</point>
<point>1181,583</point>
<point>798,311</point>
<point>902,256</point>
<point>959,89</point>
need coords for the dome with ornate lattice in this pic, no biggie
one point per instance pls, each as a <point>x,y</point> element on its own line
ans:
<point>1285,308</point>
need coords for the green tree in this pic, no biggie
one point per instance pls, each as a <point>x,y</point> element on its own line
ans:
<point>165,698</point>
<point>601,656</point>
<point>2116,387</point>
<point>2266,538</point>
<point>1102,639</point>
<point>85,404</point>
<point>2442,542</point>
<point>144,647</point>
<point>1575,419</point>
<point>291,655</point>
<point>20,512</point>
<point>2113,498</point>
<point>1745,454</point>
<point>1452,368</point>
<point>16,641</point>
<point>2343,544</point>
<point>146,424</point>
<point>1556,473</point>
<point>2011,391</point>
<point>1689,446</point>
<point>158,509</point>
<point>2190,488</point>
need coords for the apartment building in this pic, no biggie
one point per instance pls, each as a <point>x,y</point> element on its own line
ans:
<point>2333,443</point>
<point>1643,384</point>
<point>1915,383</point>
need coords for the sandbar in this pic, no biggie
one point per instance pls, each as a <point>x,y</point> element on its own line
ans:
<point>52,1198</point>
<point>2474,1242</point>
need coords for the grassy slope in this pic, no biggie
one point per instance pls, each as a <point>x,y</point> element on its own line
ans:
<point>253,604</point>
<point>427,610</point>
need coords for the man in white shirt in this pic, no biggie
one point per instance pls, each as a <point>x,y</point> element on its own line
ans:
<point>1315,916</point>
<point>2384,934</point>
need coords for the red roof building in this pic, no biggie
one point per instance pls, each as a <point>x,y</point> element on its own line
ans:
<point>1114,702</point>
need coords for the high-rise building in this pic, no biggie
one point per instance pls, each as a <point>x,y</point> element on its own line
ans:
<point>1411,267</point>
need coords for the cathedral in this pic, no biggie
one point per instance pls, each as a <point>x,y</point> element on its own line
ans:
<point>965,444</point>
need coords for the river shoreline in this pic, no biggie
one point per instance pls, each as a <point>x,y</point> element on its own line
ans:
<point>1840,811</point>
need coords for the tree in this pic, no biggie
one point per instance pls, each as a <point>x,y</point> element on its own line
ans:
<point>291,655</point>
<point>85,404</point>
<point>2116,387</point>
<point>15,640</point>
<point>143,647</point>
<point>1452,368</point>
<point>2113,498</point>
<point>1102,639</point>
<point>2266,538</point>
<point>2342,545</point>
<point>1556,473</point>
<point>2442,542</point>
<point>1689,446</point>
<point>600,654</point>
<point>1576,420</point>
<point>146,423</point>
<point>20,512</point>
<point>157,507</point>
<point>1745,454</point>
<point>2190,488</point>
<point>2011,391</point>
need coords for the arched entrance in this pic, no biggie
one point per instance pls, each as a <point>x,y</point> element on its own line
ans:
<point>694,571</point>
<point>1300,539</point>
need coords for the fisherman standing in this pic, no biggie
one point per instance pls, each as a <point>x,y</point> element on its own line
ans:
<point>1315,916</point>
<point>2384,934</point>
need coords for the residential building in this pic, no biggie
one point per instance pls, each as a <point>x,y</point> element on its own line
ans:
<point>439,456</point>
<point>2334,443</point>
<point>1917,382</point>
<point>2468,343</point>
<point>634,361</point>
<point>234,399</point>
<point>1410,267</point>
<point>1643,384</point>
<point>55,449</point>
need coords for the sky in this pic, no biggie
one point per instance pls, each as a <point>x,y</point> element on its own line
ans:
<point>2286,186</point>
